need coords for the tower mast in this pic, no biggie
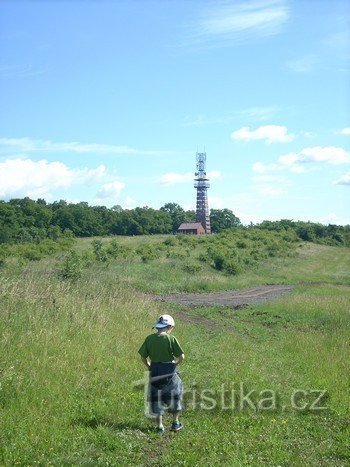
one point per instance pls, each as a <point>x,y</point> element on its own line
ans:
<point>201,182</point>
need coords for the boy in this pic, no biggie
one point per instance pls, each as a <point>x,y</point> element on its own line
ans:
<point>161,353</point>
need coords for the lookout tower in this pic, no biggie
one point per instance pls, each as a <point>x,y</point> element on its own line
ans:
<point>201,182</point>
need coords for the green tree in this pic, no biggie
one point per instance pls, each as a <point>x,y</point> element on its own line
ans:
<point>221,219</point>
<point>177,214</point>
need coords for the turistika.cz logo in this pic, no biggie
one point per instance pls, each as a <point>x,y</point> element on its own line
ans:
<point>238,397</point>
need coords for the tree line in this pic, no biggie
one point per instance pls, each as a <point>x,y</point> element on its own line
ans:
<point>28,221</point>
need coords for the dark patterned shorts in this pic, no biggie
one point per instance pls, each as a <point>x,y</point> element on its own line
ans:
<point>165,389</point>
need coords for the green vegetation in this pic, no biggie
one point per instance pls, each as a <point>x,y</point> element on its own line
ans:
<point>28,221</point>
<point>72,322</point>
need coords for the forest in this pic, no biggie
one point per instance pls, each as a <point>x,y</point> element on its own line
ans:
<point>29,221</point>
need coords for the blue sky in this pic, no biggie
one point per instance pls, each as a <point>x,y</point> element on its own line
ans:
<point>108,102</point>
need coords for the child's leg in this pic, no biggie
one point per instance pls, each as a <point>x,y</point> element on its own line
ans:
<point>176,425</point>
<point>159,420</point>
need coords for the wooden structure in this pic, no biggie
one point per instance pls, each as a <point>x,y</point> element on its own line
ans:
<point>195,228</point>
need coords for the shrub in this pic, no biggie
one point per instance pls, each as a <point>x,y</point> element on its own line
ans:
<point>125,251</point>
<point>257,254</point>
<point>71,268</point>
<point>87,258</point>
<point>231,267</point>
<point>147,253</point>
<point>29,251</point>
<point>113,248</point>
<point>99,251</point>
<point>191,267</point>
<point>66,242</point>
<point>170,241</point>
<point>177,255</point>
<point>48,247</point>
<point>202,257</point>
<point>54,232</point>
<point>219,260</point>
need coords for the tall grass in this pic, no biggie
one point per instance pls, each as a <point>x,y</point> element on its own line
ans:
<point>69,362</point>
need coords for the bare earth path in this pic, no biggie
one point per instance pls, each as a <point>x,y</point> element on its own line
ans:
<point>231,298</point>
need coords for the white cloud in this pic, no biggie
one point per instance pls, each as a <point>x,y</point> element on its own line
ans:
<point>25,177</point>
<point>110,190</point>
<point>269,133</point>
<point>129,203</point>
<point>327,154</point>
<point>309,134</point>
<point>296,162</point>
<point>173,178</point>
<point>289,159</point>
<point>344,180</point>
<point>297,169</point>
<point>228,22</point>
<point>108,193</point>
<point>214,175</point>
<point>344,131</point>
<point>33,145</point>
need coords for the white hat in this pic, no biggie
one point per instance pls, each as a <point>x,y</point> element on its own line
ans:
<point>163,321</point>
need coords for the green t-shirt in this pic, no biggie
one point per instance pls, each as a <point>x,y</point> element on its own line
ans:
<point>160,348</point>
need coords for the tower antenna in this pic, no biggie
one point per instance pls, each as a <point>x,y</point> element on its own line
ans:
<point>201,182</point>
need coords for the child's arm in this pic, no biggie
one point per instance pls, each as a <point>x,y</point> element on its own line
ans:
<point>146,362</point>
<point>180,359</point>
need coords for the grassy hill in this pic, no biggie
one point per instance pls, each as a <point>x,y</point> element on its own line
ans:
<point>69,366</point>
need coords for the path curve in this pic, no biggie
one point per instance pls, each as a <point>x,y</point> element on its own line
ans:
<point>230,298</point>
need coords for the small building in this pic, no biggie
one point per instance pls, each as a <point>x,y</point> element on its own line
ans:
<point>194,228</point>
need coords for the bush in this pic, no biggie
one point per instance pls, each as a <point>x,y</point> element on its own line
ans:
<point>126,252</point>
<point>257,254</point>
<point>170,241</point>
<point>66,243</point>
<point>203,257</point>
<point>29,251</point>
<point>72,268</point>
<point>177,255</point>
<point>99,251</point>
<point>48,247</point>
<point>231,267</point>
<point>147,253</point>
<point>219,261</point>
<point>113,249</point>
<point>191,267</point>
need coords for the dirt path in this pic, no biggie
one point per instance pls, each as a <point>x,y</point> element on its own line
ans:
<point>231,298</point>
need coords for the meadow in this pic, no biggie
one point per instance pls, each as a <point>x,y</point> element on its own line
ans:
<point>72,322</point>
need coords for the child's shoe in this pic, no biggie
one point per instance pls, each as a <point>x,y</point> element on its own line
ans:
<point>176,426</point>
<point>160,430</point>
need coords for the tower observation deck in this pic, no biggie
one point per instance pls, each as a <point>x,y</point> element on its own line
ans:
<point>201,182</point>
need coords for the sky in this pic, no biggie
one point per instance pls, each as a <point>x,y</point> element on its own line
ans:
<point>108,102</point>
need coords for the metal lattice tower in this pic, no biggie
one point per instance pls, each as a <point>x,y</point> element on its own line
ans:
<point>201,182</point>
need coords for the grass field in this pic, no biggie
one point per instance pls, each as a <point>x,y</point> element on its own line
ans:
<point>69,363</point>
